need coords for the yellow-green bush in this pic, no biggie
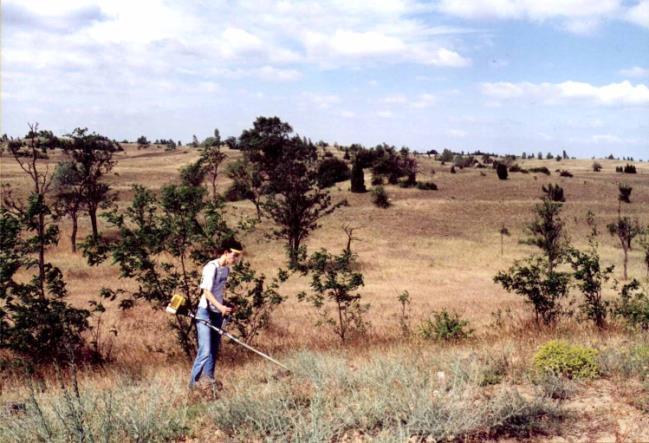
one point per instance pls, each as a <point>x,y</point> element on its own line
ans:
<point>561,358</point>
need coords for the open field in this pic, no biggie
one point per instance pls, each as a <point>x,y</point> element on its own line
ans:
<point>443,247</point>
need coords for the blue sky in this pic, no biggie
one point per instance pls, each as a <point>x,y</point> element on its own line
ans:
<point>495,75</point>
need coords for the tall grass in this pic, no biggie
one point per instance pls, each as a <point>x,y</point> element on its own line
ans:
<point>142,412</point>
<point>393,397</point>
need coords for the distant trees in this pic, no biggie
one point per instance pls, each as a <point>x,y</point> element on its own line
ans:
<point>90,159</point>
<point>69,196</point>
<point>142,142</point>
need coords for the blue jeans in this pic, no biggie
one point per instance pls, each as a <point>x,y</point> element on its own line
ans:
<point>208,345</point>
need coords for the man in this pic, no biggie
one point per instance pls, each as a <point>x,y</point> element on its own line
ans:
<point>212,308</point>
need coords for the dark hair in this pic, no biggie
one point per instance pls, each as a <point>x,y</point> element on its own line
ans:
<point>227,245</point>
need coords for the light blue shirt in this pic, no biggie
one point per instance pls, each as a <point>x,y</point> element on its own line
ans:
<point>213,279</point>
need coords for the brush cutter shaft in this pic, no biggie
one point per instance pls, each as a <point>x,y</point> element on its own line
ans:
<point>233,338</point>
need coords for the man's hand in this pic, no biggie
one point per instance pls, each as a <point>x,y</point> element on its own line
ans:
<point>225,310</point>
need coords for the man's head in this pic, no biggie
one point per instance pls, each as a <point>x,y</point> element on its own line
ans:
<point>232,251</point>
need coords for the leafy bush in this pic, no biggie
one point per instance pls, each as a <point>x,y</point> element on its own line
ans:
<point>445,326</point>
<point>633,306</point>
<point>380,197</point>
<point>334,281</point>
<point>516,168</point>
<point>332,171</point>
<point>553,193</point>
<point>427,186</point>
<point>540,170</point>
<point>501,170</point>
<point>625,193</point>
<point>558,357</point>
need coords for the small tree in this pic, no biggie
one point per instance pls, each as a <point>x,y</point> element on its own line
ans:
<point>553,192</point>
<point>633,305</point>
<point>287,166</point>
<point>335,280</point>
<point>536,278</point>
<point>92,155</point>
<point>68,192</point>
<point>625,230</point>
<point>543,287</point>
<point>625,193</point>
<point>501,170</point>
<point>358,177</point>
<point>591,277</point>
<point>210,160</point>
<point>546,231</point>
<point>34,320</point>
<point>253,299</point>
<point>163,244</point>
<point>248,182</point>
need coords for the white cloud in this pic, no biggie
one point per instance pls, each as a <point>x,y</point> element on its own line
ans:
<point>398,99</point>
<point>423,101</point>
<point>576,16</point>
<point>347,114</point>
<point>639,14</point>
<point>527,9</point>
<point>385,114</point>
<point>606,138</point>
<point>456,133</point>
<point>322,101</point>
<point>276,74</point>
<point>623,93</point>
<point>635,72</point>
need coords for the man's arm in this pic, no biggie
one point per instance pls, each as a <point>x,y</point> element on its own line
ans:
<point>211,299</point>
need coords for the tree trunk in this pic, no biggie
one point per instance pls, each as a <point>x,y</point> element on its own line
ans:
<point>41,254</point>
<point>92,211</point>
<point>73,235</point>
<point>626,261</point>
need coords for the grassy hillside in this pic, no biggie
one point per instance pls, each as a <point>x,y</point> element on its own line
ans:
<point>444,248</point>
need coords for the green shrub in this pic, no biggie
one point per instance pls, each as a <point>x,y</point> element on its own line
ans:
<point>558,357</point>
<point>633,306</point>
<point>445,326</point>
<point>380,197</point>
<point>332,171</point>
<point>426,186</point>
<point>541,170</point>
<point>501,170</point>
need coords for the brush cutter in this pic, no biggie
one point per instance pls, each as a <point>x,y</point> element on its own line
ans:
<point>177,307</point>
